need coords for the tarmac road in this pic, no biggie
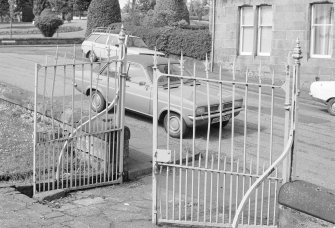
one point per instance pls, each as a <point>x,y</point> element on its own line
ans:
<point>315,157</point>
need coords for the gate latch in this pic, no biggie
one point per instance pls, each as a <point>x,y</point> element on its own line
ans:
<point>163,156</point>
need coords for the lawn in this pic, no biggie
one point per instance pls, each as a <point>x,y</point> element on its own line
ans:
<point>16,124</point>
<point>74,29</point>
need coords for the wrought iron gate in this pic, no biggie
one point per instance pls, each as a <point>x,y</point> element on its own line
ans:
<point>226,175</point>
<point>74,146</point>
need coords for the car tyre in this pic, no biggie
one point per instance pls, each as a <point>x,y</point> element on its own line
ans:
<point>176,125</point>
<point>331,106</point>
<point>224,123</point>
<point>98,103</point>
<point>92,57</point>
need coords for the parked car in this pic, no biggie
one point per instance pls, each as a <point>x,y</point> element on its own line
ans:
<point>95,46</point>
<point>139,94</point>
<point>324,91</point>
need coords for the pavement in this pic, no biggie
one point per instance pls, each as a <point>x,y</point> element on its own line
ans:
<point>126,205</point>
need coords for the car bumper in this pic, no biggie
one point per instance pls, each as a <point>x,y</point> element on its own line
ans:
<point>318,99</point>
<point>214,118</point>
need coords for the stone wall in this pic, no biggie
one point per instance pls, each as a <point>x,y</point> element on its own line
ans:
<point>290,21</point>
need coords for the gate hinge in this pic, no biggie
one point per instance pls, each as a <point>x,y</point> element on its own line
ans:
<point>287,106</point>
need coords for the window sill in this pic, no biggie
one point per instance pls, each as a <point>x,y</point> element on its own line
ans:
<point>320,57</point>
<point>264,54</point>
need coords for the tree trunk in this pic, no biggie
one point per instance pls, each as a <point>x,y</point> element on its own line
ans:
<point>133,11</point>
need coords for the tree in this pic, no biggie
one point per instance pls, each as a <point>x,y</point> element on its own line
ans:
<point>26,8</point>
<point>4,9</point>
<point>168,12</point>
<point>39,6</point>
<point>61,6</point>
<point>199,8</point>
<point>48,22</point>
<point>81,5</point>
<point>102,13</point>
<point>21,4</point>
<point>145,5</point>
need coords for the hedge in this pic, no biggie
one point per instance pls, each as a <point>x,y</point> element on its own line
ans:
<point>171,40</point>
<point>101,13</point>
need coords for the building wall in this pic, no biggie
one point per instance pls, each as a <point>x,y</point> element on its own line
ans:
<point>290,21</point>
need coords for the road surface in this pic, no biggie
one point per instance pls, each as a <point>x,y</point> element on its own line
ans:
<point>315,156</point>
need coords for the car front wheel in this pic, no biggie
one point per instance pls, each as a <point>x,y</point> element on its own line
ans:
<point>224,123</point>
<point>175,126</point>
<point>92,57</point>
<point>98,103</point>
<point>331,106</point>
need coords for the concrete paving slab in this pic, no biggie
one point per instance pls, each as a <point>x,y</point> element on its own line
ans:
<point>89,201</point>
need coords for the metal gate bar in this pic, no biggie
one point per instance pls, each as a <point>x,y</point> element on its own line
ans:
<point>74,147</point>
<point>235,181</point>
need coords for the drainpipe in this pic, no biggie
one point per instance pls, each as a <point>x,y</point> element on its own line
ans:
<point>213,34</point>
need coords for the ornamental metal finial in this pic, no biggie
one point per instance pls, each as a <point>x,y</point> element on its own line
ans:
<point>297,53</point>
<point>122,35</point>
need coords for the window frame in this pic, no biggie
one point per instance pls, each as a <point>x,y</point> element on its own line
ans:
<point>312,32</point>
<point>112,38</point>
<point>241,31</point>
<point>259,30</point>
<point>145,76</point>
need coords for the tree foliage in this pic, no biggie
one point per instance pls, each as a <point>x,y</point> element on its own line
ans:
<point>81,5</point>
<point>199,8</point>
<point>102,13</point>
<point>168,12</point>
<point>145,5</point>
<point>39,6</point>
<point>21,4</point>
<point>4,8</point>
<point>62,7</point>
<point>48,22</point>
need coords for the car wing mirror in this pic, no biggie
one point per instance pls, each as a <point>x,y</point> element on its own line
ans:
<point>142,83</point>
<point>116,45</point>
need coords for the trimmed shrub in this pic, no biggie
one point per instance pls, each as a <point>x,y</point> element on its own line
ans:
<point>69,17</point>
<point>48,23</point>
<point>168,12</point>
<point>172,40</point>
<point>102,13</point>
<point>39,6</point>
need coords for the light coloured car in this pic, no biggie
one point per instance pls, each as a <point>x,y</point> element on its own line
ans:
<point>139,94</point>
<point>324,91</point>
<point>99,43</point>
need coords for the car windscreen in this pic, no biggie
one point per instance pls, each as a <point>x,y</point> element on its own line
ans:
<point>102,39</point>
<point>92,37</point>
<point>103,70</point>
<point>136,42</point>
<point>175,69</point>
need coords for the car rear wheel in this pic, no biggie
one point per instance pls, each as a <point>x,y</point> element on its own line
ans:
<point>176,126</point>
<point>331,106</point>
<point>98,103</point>
<point>92,57</point>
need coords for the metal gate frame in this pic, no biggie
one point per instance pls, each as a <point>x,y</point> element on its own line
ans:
<point>162,162</point>
<point>69,155</point>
